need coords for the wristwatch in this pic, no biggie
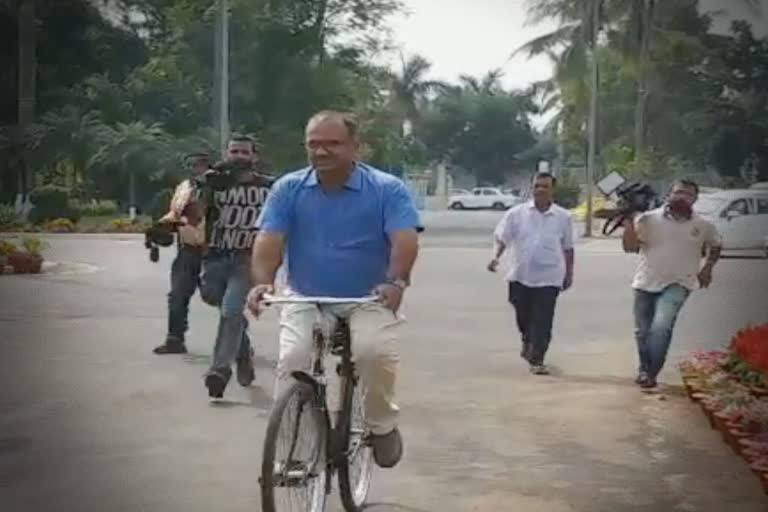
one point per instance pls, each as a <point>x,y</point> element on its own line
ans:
<point>400,283</point>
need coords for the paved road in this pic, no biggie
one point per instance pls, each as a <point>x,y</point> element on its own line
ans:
<point>91,419</point>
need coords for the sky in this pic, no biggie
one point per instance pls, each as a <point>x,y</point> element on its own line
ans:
<point>471,37</point>
<point>474,36</point>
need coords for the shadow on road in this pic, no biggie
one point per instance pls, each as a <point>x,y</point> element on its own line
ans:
<point>391,507</point>
<point>608,380</point>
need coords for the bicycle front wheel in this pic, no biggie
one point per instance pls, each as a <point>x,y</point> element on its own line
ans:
<point>355,457</point>
<point>294,470</point>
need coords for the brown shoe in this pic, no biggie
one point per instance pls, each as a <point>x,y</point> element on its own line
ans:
<point>387,448</point>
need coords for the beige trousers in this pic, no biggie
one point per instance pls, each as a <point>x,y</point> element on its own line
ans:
<point>374,351</point>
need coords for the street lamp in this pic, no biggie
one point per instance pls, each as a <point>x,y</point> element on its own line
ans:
<point>221,73</point>
<point>592,125</point>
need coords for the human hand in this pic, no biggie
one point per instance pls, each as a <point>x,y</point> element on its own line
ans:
<point>493,265</point>
<point>256,297</point>
<point>168,218</point>
<point>391,296</point>
<point>705,277</point>
<point>568,281</point>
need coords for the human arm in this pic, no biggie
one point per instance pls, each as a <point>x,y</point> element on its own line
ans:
<point>502,236</point>
<point>634,233</point>
<point>401,221</point>
<point>267,254</point>
<point>182,196</point>
<point>266,258</point>
<point>713,245</point>
<point>568,253</point>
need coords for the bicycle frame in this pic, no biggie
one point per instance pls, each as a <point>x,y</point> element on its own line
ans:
<point>339,337</point>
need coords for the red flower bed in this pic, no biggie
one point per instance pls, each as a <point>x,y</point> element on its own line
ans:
<point>751,346</point>
<point>732,390</point>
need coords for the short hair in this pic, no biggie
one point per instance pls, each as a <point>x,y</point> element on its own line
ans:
<point>194,158</point>
<point>686,183</point>
<point>545,175</point>
<point>247,139</point>
<point>348,119</point>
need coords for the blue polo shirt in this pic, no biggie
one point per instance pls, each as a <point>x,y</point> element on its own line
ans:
<point>338,243</point>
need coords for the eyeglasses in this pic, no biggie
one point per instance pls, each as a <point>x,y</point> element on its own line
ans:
<point>329,145</point>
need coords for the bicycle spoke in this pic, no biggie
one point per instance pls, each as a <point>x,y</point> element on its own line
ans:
<point>355,476</point>
<point>299,472</point>
<point>360,455</point>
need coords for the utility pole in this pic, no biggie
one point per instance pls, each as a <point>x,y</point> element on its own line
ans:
<point>592,144</point>
<point>27,66</point>
<point>221,74</point>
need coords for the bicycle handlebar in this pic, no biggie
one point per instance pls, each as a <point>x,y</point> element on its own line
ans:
<point>271,299</point>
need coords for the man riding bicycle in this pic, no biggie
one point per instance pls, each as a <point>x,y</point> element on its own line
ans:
<point>347,230</point>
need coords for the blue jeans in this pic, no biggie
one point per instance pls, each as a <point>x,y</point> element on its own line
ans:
<point>225,283</point>
<point>185,276</point>
<point>655,317</point>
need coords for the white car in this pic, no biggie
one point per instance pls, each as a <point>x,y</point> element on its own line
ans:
<point>483,198</point>
<point>741,217</point>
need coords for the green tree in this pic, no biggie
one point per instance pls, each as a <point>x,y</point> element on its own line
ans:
<point>483,133</point>
<point>137,152</point>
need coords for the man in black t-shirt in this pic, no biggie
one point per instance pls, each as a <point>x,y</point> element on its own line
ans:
<point>231,196</point>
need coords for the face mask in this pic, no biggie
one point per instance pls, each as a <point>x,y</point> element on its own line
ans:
<point>680,207</point>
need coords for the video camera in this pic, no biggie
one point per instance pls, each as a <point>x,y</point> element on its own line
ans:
<point>221,176</point>
<point>630,197</point>
<point>159,234</point>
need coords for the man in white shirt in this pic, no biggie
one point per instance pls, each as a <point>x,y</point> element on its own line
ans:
<point>672,242</point>
<point>540,236</point>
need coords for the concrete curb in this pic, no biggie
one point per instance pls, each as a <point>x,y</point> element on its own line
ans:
<point>57,268</point>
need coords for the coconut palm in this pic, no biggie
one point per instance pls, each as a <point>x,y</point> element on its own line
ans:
<point>69,137</point>
<point>410,87</point>
<point>490,83</point>
<point>134,148</point>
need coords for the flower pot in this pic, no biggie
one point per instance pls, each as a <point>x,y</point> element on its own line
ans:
<point>751,448</point>
<point>721,421</point>
<point>698,396</point>
<point>735,435</point>
<point>25,263</point>
<point>759,466</point>
<point>764,481</point>
<point>708,412</point>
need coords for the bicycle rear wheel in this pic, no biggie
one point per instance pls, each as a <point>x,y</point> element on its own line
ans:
<point>294,472</point>
<point>355,460</point>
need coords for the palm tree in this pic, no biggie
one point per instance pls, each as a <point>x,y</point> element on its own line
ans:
<point>410,87</point>
<point>639,31</point>
<point>134,148</point>
<point>577,37</point>
<point>490,83</point>
<point>70,136</point>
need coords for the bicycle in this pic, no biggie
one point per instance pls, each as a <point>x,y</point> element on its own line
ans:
<point>341,447</point>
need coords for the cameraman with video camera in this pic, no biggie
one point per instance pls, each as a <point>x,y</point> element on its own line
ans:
<point>185,269</point>
<point>670,240</point>
<point>231,196</point>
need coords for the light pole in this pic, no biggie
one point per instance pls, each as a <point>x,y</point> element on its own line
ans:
<point>592,144</point>
<point>27,39</point>
<point>221,73</point>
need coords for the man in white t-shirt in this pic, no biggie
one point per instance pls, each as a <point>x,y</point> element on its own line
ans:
<point>672,242</point>
<point>539,235</point>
